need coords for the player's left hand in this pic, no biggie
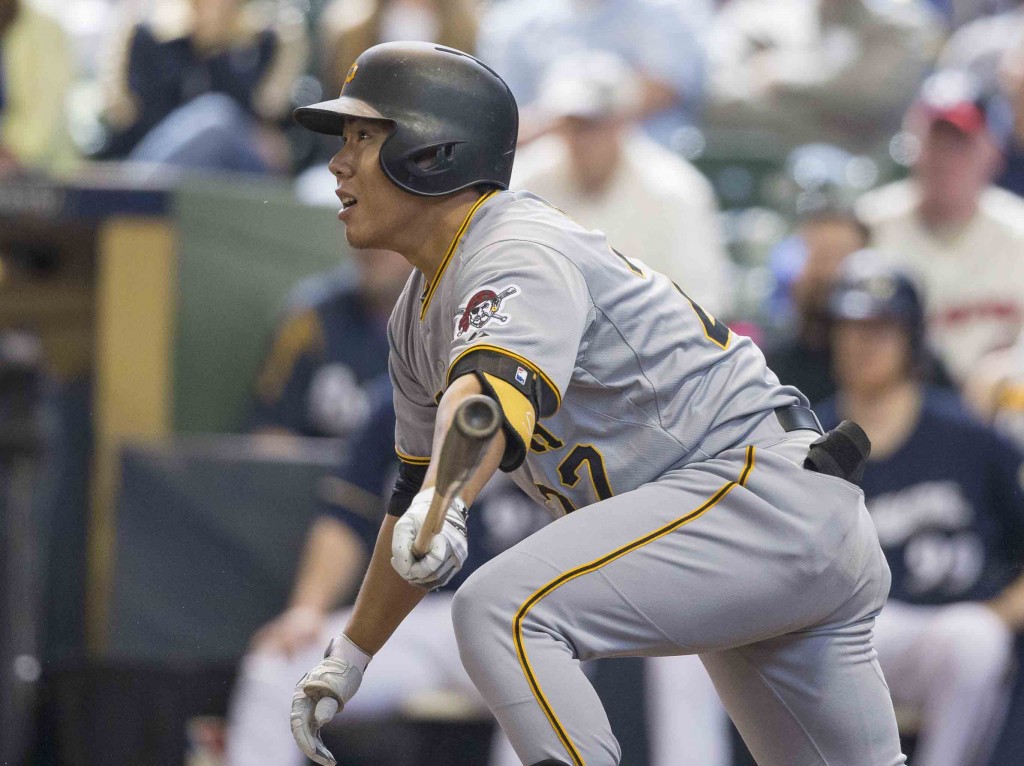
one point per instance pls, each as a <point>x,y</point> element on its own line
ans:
<point>322,692</point>
<point>448,549</point>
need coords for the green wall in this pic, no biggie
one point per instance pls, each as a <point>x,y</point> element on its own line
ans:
<point>242,246</point>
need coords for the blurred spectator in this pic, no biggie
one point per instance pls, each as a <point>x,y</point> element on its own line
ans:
<point>36,71</point>
<point>945,495</point>
<point>995,390</point>
<point>1011,85</point>
<point>205,84</point>
<point>822,182</point>
<point>597,167</point>
<point>824,238</point>
<point>959,13</point>
<point>838,71</point>
<point>522,39</point>
<point>349,27</point>
<point>991,49</point>
<point>330,344</point>
<point>962,238</point>
<point>979,46</point>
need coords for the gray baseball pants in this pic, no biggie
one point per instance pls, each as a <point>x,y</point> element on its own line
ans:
<point>772,574</point>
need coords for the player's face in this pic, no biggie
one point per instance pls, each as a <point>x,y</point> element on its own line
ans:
<point>870,356</point>
<point>374,210</point>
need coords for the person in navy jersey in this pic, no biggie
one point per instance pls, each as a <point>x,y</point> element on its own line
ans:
<point>944,492</point>
<point>330,342</point>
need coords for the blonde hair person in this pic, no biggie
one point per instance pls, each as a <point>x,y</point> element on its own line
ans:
<point>351,26</point>
<point>38,71</point>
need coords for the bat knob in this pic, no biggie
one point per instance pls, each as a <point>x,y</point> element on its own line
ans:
<point>478,416</point>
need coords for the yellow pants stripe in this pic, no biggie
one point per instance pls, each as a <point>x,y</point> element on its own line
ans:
<point>572,574</point>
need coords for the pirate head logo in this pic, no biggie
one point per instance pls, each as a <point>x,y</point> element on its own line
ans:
<point>484,306</point>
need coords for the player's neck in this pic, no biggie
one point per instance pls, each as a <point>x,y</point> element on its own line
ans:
<point>888,415</point>
<point>427,247</point>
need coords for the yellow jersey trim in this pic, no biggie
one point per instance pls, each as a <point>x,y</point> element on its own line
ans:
<point>593,566</point>
<point>512,355</point>
<point>412,459</point>
<point>428,293</point>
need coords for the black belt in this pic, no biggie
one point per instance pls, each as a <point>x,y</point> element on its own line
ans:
<point>796,418</point>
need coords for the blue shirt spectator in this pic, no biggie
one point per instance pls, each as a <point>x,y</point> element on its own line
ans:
<point>325,350</point>
<point>330,344</point>
<point>521,40</point>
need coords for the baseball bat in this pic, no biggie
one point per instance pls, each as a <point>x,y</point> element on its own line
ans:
<point>476,421</point>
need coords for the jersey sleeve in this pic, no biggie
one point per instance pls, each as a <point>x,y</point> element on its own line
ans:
<point>520,315</point>
<point>415,411</point>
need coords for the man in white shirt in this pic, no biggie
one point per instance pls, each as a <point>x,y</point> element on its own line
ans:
<point>600,169</point>
<point>960,236</point>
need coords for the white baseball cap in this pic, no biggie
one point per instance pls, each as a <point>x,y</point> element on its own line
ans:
<point>591,85</point>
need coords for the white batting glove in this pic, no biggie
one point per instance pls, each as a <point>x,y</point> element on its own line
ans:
<point>322,692</point>
<point>447,552</point>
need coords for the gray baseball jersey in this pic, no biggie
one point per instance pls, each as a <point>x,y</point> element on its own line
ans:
<point>649,380</point>
<point>703,533</point>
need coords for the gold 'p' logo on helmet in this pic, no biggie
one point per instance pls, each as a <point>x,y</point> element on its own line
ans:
<point>351,74</point>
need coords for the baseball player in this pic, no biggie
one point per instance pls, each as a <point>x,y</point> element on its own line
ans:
<point>671,456</point>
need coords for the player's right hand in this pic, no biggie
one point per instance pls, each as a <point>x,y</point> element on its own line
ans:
<point>448,549</point>
<point>322,692</point>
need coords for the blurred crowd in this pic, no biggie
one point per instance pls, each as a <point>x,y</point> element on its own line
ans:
<point>839,179</point>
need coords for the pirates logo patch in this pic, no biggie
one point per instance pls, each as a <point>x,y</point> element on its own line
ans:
<point>483,307</point>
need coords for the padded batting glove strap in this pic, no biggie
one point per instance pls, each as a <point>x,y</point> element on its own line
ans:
<point>448,549</point>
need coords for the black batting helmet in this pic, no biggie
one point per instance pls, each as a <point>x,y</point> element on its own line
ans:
<point>455,121</point>
<point>869,289</point>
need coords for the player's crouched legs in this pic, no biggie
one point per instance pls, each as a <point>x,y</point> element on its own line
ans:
<point>525,668</point>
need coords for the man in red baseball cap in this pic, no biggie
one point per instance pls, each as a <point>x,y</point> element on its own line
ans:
<point>949,226</point>
<point>962,132</point>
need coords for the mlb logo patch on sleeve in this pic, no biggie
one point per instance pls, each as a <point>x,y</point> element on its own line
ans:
<point>521,376</point>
